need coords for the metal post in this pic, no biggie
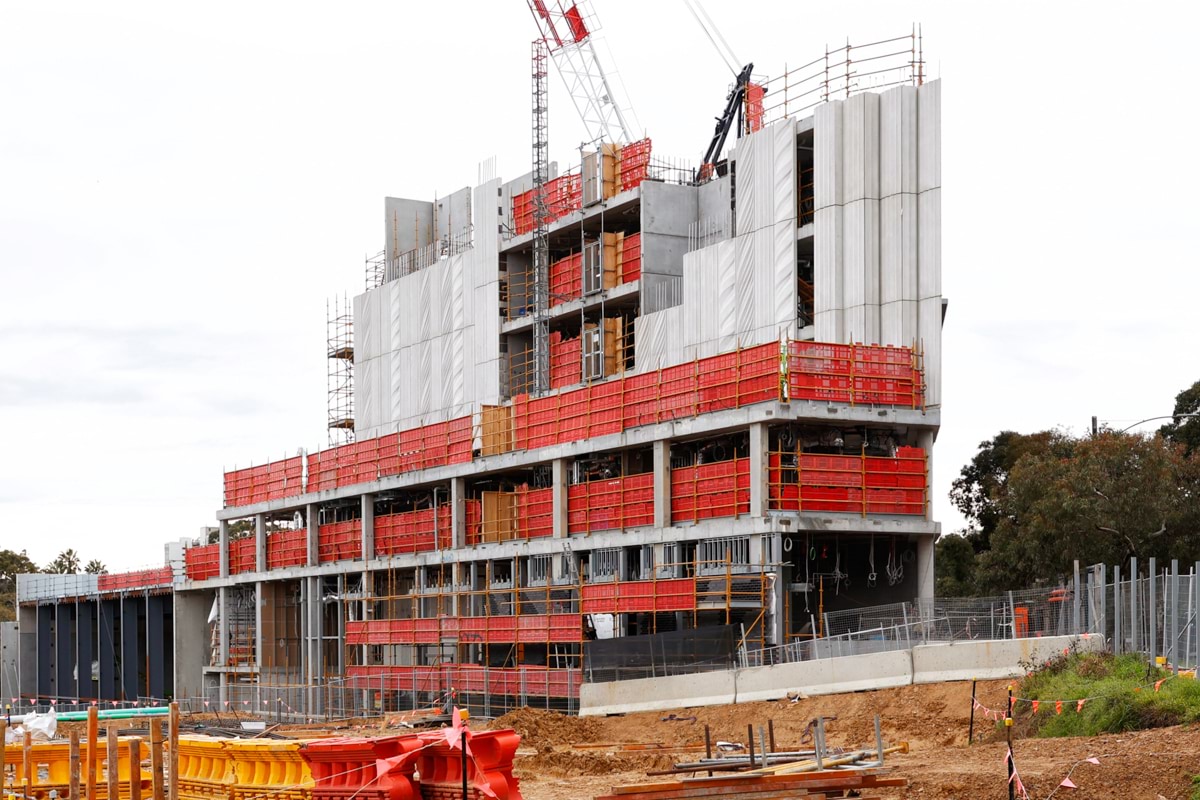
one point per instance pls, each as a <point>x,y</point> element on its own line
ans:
<point>1135,624</point>
<point>1075,602</point>
<point>1152,610</point>
<point>73,754</point>
<point>1008,723</point>
<point>971,724</point>
<point>820,743</point>
<point>1173,650</point>
<point>1117,610</point>
<point>878,741</point>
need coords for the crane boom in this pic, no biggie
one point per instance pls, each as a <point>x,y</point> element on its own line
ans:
<point>568,31</point>
<point>733,106</point>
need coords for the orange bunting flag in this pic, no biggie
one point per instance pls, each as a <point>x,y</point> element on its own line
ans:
<point>1158,684</point>
<point>1058,706</point>
<point>1079,705</point>
<point>1035,706</point>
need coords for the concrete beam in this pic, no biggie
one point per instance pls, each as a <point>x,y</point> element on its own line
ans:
<point>312,542</point>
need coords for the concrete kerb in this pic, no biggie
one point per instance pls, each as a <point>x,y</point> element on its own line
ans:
<point>933,663</point>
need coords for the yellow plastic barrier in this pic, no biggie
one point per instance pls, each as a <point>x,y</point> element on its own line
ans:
<point>205,770</point>
<point>50,768</point>
<point>270,769</point>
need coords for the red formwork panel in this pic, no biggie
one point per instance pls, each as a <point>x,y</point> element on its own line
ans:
<point>631,258</point>
<point>339,541</point>
<point>612,504</point>
<point>137,579</point>
<point>566,279</point>
<point>635,162</point>
<point>411,531</point>
<point>287,548</point>
<point>754,106</point>
<point>535,513</point>
<point>626,597</point>
<point>566,361</point>
<point>706,491</point>
<point>242,556</point>
<point>203,562</point>
<point>850,484</point>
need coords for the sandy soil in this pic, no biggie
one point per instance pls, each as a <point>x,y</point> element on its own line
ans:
<point>932,719</point>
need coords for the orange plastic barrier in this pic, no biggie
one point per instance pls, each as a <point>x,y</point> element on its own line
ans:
<point>720,489</point>
<point>287,548</point>
<point>242,556</point>
<point>203,562</point>
<point>339,541</point>
<point>346,768</point>
<point>617,503</point>
<point>849,484</point>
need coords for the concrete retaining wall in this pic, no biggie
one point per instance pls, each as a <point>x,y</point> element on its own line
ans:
<point>933,663</point>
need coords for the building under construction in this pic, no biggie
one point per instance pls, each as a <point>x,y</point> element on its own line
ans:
<point>610,405</point>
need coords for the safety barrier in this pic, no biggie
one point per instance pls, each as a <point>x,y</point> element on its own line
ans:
<point>264,482</point>
<point>345,768</point>
<point>705,491</point>
<point>269,769</point>
<point>468,678</point>
<point>139,579</point>
<point>856,484</point>
<point>339,541</point>
<point>615,503</point>
<point>854,374</point>
<point>203,562</point>
<point>50,769</point>
<point>205,770</point>
<point>490,765</point>
<point>566,361</point>
<point>419,531</point>
<point>517,629</point>
<point>243,555</point>
<point>287,548</point>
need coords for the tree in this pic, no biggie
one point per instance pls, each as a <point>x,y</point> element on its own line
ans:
<point>65,563</point>
<point>1114,497</point>
<point>955,559</point>
<point>1185,430</point>
<point>95,567</point>
<point>12,564</point>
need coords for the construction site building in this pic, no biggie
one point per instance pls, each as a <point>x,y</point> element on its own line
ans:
<point>716,410</point>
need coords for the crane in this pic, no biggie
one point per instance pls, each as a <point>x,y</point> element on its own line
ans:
<point>568,32</point>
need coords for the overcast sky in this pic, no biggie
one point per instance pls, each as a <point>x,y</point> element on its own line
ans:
<point>183,186</point>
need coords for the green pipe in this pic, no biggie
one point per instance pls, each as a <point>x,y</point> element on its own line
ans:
<point>110,713</point>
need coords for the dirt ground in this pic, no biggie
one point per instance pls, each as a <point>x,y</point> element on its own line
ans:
<point>932,719</point>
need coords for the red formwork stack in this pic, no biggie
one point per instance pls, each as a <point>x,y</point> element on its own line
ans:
<point>855,484</point>
<point>635,163</point>
<point>627,597</point>
<point>754,106</point>
<point>523,206</point>
<point>705,491</point>
<point>612,504</point>
<point>287,548</point>
<point>339,541</point>
<point>564,194</point>
<point>566,276</point>
<point>203,562</point>
<point>467,678</point>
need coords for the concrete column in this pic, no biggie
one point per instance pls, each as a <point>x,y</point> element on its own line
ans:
<point>259,661</point>
<point>559,493</point>
<point>260,542</point>
<point>310,514</point>
<point>223,641</point>
<point>759,445</point>
<point>925,575</point>
<point>223,548</point>
<point>368,526</point>
<point>925,441</point>
<point>662,484</point>
<point>458,512</point>
<point>313,612</point>
<point>131,663</point>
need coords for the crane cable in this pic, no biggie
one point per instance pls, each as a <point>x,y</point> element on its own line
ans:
<point>709,29</point>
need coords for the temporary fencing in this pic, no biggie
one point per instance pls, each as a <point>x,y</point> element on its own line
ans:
<point>47,772</point>
<point>857,484</point>
<point>854,374</point>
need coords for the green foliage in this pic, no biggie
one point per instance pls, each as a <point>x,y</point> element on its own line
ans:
<point>1196,787</point>
<point>955,561</point>
<point>12,564</point>
<point>1185,430</point>
<point>95,567</point>
<point>65,563</point>
<point>1121,692</point>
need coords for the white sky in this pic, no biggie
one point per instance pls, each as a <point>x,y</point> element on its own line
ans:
<point>183,186</point>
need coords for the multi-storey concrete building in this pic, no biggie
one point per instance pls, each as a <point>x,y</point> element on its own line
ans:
<point>733,425</point>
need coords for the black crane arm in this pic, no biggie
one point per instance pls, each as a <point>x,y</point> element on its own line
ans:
<point>733,104</point>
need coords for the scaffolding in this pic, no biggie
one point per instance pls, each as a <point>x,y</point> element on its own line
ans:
<point>376,270</point>
<point>339,382</point>
<point>541,220</point>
